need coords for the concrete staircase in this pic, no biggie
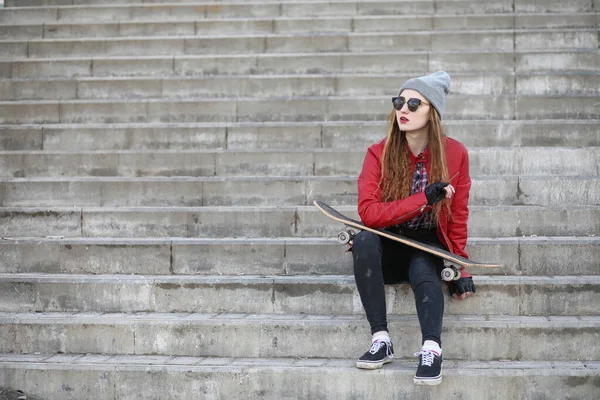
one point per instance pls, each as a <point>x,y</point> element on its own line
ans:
<point>158,161</point>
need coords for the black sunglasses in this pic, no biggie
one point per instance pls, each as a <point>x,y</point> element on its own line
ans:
<point>412,104</point>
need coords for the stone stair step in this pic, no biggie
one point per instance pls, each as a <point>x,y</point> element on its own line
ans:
<point>174,12</point>
<point>297,109</point>
<point>301,63</point>
<point>288,86</point>
<point>484,161</point>
<point>133,8</point>
<point>481,338</point>
<point>322,295</point>
<point>293,135</point>
<point>553,256</point>
<point>38,3</point>
<point>286,25</point>
<point>538,84</point>
<point>109,376</point>
<point>554,5</point>
<point>273,221</point>
<point>497,221</point>
<point>201,10</point>
<point>489,40</point>
<point>266,191</point>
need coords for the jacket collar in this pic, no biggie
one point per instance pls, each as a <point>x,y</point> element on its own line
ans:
<point>423,157</point>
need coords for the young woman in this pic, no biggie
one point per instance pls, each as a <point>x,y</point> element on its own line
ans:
<point>415,182</point>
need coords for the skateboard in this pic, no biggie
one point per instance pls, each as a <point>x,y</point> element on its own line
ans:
<point>452,262</point>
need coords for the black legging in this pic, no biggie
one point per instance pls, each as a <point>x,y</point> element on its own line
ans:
<point>379,261</point>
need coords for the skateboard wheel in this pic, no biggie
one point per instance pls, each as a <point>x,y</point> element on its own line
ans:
<point>343,237</point>
<point>449,274</point>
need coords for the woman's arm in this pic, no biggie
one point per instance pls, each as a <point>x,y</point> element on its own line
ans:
<point>377,214</point>
<point>457,225</point>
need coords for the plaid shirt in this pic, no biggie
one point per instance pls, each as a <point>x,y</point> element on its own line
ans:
<point>420,180</point>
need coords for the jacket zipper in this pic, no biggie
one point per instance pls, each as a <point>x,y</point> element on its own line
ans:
<point>446,239</point>
<point>412,212</point>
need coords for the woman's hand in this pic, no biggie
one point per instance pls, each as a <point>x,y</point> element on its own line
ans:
<point>462,296</point>
<point>438,191</point>
<point>449,191</point>
<point>462,288</point>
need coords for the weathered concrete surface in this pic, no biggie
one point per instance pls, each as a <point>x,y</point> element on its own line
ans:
<point>269,190</point>
<point>356,136</point>
<point>466,337</point>
<point>367,108</point>
<point>286,85</point>
<point>135,377</point>
<point>527,256</point>
<point>325,63</point>
<point>300,25</point>
<point>489,162</point>
<point>317,295</point>
<point>268,221</point>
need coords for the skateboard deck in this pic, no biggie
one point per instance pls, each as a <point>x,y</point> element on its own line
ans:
<point>453,262</point>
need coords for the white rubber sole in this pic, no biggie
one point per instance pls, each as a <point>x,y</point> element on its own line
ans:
<point>428,381</point>
<point>373,365</point>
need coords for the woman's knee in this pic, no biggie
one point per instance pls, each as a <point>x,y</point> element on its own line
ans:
<point>366,242</point>
<point>422,269</point>
<point>366,250</point>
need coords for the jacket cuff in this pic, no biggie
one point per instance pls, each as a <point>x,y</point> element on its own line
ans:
<point>422,198</point>
<point>419,201</point>
<point>464,273</point>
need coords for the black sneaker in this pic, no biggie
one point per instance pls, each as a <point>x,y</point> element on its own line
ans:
<point>429,371</point>
<point>381,352</point>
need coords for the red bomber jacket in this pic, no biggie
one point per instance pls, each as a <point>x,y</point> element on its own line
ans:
<point>374,213</point>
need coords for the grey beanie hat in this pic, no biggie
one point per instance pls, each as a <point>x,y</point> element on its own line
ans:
<point>433,87</point>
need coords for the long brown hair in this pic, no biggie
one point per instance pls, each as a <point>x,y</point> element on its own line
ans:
<point>396,167</point>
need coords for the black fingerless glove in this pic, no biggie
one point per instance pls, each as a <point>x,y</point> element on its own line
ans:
<point>435,192</point>
<point>461,286</point>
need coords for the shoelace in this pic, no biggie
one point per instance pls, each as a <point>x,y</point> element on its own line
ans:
<point>377,345</point>
<point>428,357</point>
